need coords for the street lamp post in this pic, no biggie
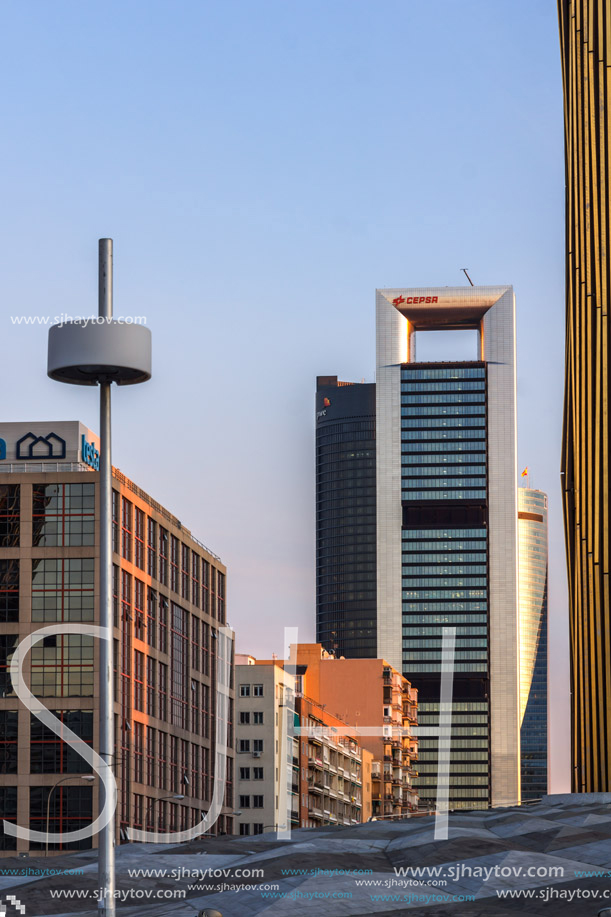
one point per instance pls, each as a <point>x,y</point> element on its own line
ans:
<point>177,796</point>
<point>100,353</point>
<point>55,785</point>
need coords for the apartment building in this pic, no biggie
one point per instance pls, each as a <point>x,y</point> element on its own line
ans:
<point>379,702</point>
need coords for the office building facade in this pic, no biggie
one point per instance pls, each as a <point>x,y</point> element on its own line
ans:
<point>532,598</point>
<point>345,517</point>
<point>170,648</point>
<point>586,57</point>
<point>446,530</point>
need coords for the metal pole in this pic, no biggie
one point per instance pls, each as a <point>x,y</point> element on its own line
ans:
<point>106,853</point>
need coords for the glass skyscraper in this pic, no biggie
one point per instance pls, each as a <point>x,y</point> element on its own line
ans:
<point>447,531</point>
<point>346,517</point>
<point>445,564</point>
<point>532,594</point>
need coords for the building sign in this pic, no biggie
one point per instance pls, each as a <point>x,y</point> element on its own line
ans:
<point>415,300</point>
<point>90,454</point>
<point>31,446</point>
<point>51,442</point>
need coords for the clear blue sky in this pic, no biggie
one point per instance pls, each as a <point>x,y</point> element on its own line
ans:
<point>262,168</point>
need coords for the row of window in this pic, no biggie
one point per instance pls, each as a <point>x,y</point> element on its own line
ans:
<point>245,717</point>
<point>140,539</point>
<point>255,746</point>
<point>443,533</point>
<point>415,423</point>
<point>454,386</point>
<point>245,802</point>
<point>247,690</point>
<point>443,494</point>
<point>471,436</point>
<point>409,372</point>
<point>409,470</point>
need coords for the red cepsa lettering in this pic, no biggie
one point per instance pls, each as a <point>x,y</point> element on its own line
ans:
<point>414,300</point>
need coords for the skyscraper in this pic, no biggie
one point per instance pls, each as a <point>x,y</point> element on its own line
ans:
<point>532,594</point>
<point>345,517</point>
<point>447,530</point>
<point>585,27</point>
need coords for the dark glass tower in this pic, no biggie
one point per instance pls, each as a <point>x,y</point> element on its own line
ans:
<point>346,517</point>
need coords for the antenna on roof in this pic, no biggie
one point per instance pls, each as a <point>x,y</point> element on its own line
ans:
<point>464,270</point>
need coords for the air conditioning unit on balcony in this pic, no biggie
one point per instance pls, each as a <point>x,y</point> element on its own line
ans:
<point>256,754</point>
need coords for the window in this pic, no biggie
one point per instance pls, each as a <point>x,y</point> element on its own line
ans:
<point>151,755</point>
<point>70,808</point>
<point>221,597</point>
<point>8,807</point>
<point>206,586</point>
<point>195,706</point>
<point>163,624</point>
<point>244,745</point>
<point>9,591</point>
<point>115,521</point>
<point>138,752</point>
<point>244,690</point>
<point>62,666</point>
<point>195,567</point>
<point>62,589</point>
<point>195,644</point>
<point>174,557</point>
<point>244,802</point>
<point>257,828</point>
<point>244,829</point>
<point>244,773</point>
<point>257,773</point>
<point>257,745</point>
<point>244,718</point>
<point>163,556</point>
<point>163,758</point>
<point>139,623</point>
<point>151,617</point>
<point>179,671</point>
<point>258,718</point>
<point>151,555</point>
<point>163,691</point>
<point>9,515</point>
<point>257,802</point>
<point>49,755</point>
<point>139,539</point>
<point>185,577</point>
<point>126,529</point>
<point>257,690</point>
<point>139,681</point>
<point>63,514</point>
<point>150,686</point>
<point>8,741</point>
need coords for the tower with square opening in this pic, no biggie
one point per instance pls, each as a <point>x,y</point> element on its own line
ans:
<point>446,529</point>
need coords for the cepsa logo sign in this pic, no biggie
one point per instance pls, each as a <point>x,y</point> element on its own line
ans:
<point>413,300</point>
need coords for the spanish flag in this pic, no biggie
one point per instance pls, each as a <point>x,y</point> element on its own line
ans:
<point>525,472</point>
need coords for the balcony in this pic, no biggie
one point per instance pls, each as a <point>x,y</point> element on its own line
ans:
<point>315,763</point>
<point>315,812</point>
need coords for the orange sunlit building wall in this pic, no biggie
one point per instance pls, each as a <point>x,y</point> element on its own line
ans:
<point>370,694</point>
